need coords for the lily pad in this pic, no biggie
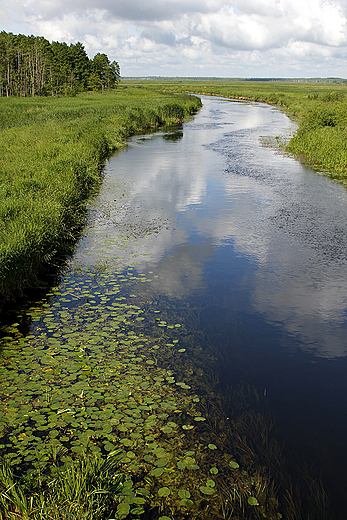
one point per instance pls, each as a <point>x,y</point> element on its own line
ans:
<point>164,492</point>
<point>161,463</point>
<point>206,490</point>
<point>157,472</point>
<point>186,502</point>
<point>127,442</point>
<point>123,509</point>
<point>183,493</point>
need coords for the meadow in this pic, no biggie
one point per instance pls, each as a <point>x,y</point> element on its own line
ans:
<point>52,153</point>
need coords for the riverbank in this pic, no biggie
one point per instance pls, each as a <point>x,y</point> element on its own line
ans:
<point>52,154</point>
<point>320,109</point>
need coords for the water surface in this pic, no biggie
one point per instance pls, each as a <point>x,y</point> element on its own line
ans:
<point>258,242</point>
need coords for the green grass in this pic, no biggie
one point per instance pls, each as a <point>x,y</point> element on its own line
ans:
<point>52,153</point>
<point>83,489</point>
<point>320,109</point>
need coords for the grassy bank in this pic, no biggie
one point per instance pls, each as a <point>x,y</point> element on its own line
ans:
<point>52,152</point>
<point>320,108</point>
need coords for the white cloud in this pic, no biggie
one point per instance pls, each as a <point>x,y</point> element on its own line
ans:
<point>195,37</point>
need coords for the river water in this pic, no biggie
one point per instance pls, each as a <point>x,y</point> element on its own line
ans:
<point>247,248</point>
<point>243,231</point>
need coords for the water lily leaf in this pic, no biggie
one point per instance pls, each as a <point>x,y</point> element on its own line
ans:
<point>214,471</point>
<point>193,466</point>
<point>127,442</point>
<point>160,463</point>
<point>253,501</point>
<point>78,449</point>
<point>123,509</point>
<point>183,493</point>
<point>167,429</point>
<point>186,502</point>
<point>233,464</point>
<point>210,483</point>
<point>164,492</point>
<point>212,446</point>
<point>130,454</point>
<point>206,490</point>
<point>157,472</point>
<point>109,446</point>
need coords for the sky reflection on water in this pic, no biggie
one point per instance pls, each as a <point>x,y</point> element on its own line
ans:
<point>216,191</point>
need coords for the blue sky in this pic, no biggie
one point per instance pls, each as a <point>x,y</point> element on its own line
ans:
<point>244,38</point>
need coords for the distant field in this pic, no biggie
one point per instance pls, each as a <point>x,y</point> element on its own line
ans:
<point>52,151</point>
<point>320,108</point>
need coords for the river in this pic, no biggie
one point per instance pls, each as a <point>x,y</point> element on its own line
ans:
<point>241,252</point>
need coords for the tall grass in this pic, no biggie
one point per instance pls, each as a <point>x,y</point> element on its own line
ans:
<point>84,489</point>
<point>52,152</point>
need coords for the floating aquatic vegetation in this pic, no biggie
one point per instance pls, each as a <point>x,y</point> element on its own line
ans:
<point>101,374</point>
<point>96,375</point>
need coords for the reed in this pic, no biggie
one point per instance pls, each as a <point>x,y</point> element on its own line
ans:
<point>89,487</point>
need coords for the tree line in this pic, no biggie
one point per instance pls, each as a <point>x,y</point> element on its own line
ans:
<point>32,66</point>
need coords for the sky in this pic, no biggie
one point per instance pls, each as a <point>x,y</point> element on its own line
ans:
<point>204,38</point>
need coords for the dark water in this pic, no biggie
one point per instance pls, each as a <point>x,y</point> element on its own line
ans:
<point>222,220</point>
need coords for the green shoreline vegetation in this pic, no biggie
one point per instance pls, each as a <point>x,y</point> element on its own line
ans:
<point>52,153</point>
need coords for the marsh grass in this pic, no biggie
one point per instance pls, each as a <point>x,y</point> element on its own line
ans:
<point>86,488</point>
<point>52,154</point>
